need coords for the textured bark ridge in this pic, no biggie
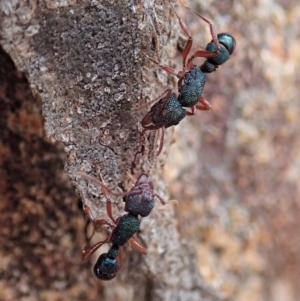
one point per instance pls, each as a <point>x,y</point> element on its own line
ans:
<point>82,59</point>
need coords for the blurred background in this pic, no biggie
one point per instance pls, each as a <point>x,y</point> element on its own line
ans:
<point>235,170</point>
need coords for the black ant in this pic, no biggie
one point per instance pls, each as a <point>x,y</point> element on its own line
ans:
<point>168,110</point>
<point>138,201</point>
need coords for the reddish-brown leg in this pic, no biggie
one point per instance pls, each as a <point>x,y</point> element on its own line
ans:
<point>99,222</point>
<point>187,113</point>
<point>161,143</point>
<point>203,104</point>
<point>204,53</point>
<point>161,200</point>
<point>137,246</point>
<point>189,42</point>
<point>88,212</point>
<point>166,92</point>
<point>201,53</point>
<point>121,256</point>
<point>105,190</point>
<point>88,251</point>
<point>109,211</point>
<point>212,28</point>
<point>164,67</point>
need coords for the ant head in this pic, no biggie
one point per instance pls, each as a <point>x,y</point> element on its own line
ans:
<point>227,41</point>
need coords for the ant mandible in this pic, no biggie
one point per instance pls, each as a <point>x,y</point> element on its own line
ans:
<point>138,201</point>
<point>168,110</point>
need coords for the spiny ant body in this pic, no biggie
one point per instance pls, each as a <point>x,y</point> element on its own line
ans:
<point>168,111</point>
<point>138,201</point>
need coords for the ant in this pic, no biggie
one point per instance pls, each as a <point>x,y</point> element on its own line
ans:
<point>138,201</point>
<point>168,111</point>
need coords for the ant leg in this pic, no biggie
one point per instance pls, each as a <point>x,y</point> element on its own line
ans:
<point>201,53</point>
<point>189,42</point>
<point>101,222</point>
<point>164,67</point>
<point>203,104</point>
<point>96,181</point>
<point>105,190</point>
<point>88,237</point>
<point>120,258</point>
<point>109,211</point>
<point>87,252</point>
<point>213,31</point>
<point>88,212</point>
<point>191,113</point>
<point>153,101</point>
<point>160,198</point>
<point>161,143</point>
<point>137,246</point>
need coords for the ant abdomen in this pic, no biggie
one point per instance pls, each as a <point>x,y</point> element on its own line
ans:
<point>107,265</point>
